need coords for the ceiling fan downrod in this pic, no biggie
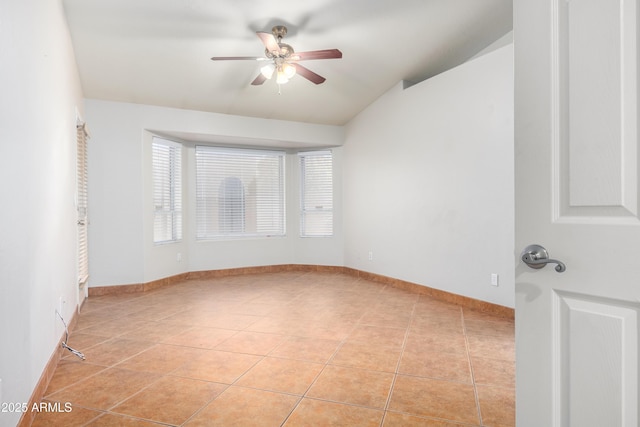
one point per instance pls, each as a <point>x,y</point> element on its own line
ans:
<point>279,31</point>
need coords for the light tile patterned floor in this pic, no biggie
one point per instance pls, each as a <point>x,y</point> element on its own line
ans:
<point>284,349</point>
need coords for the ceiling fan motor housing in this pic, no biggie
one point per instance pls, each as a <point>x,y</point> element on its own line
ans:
<point>285,51</point>
<point>279,31</point>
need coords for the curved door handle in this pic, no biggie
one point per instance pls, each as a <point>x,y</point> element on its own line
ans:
<point>536,256</point>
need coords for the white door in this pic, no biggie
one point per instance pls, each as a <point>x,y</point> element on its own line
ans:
<point>576,158</point>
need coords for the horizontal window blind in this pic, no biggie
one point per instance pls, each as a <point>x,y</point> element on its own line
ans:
<point>83,203</point>
<point>239,193</point>
<point>316,199</point>
<point>167,191</point>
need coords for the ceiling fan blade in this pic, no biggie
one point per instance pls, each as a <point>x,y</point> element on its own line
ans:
<point>317,54</point>
<point>308,74</point>
<point>238,58</point>
<point>259,80</point>
<point>269,41</point>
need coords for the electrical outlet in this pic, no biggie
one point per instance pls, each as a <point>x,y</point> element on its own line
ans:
<point>494,279</point>
<point>179,257</point>
<point>370,255</point>
<point>61,302</point>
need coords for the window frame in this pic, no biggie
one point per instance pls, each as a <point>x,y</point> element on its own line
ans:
<point>170,208</point>
<point>256,202</point>
<point>323,190</point>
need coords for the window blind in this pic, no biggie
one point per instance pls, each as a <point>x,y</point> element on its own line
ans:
<point>82,203</point>
<point>316,198</point>
<point>239,193</point>
<point>167,191</point>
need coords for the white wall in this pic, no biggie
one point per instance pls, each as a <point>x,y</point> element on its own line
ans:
<point>428,181</point>
<point>40,91</point>
<point>121,249</point>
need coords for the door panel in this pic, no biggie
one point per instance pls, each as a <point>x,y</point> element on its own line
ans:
<point>596,360</point>
<point>576,163</point>
<point>594,105</point>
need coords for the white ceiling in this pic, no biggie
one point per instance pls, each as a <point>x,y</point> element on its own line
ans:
<point>158,51</point>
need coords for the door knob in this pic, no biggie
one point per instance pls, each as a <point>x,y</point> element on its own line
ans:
<point>536,256</point>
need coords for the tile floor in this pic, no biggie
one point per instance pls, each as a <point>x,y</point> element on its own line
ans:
<point>284,349</point>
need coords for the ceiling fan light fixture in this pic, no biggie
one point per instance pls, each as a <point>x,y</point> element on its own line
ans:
<point>281,77</point>
<point>289,70</point>
<point>268,70</point>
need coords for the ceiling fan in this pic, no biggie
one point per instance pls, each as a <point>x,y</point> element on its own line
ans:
<point>282,59</point>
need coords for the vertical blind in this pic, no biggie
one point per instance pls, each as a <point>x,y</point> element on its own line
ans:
<point>316,198</point>
<point>83,203</point>
<point>239,193</point>
<point>167,191</point>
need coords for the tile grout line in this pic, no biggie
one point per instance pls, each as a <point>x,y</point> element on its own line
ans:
<point>398,364</point>
<point>473,378</point>
<point>326,363</point>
